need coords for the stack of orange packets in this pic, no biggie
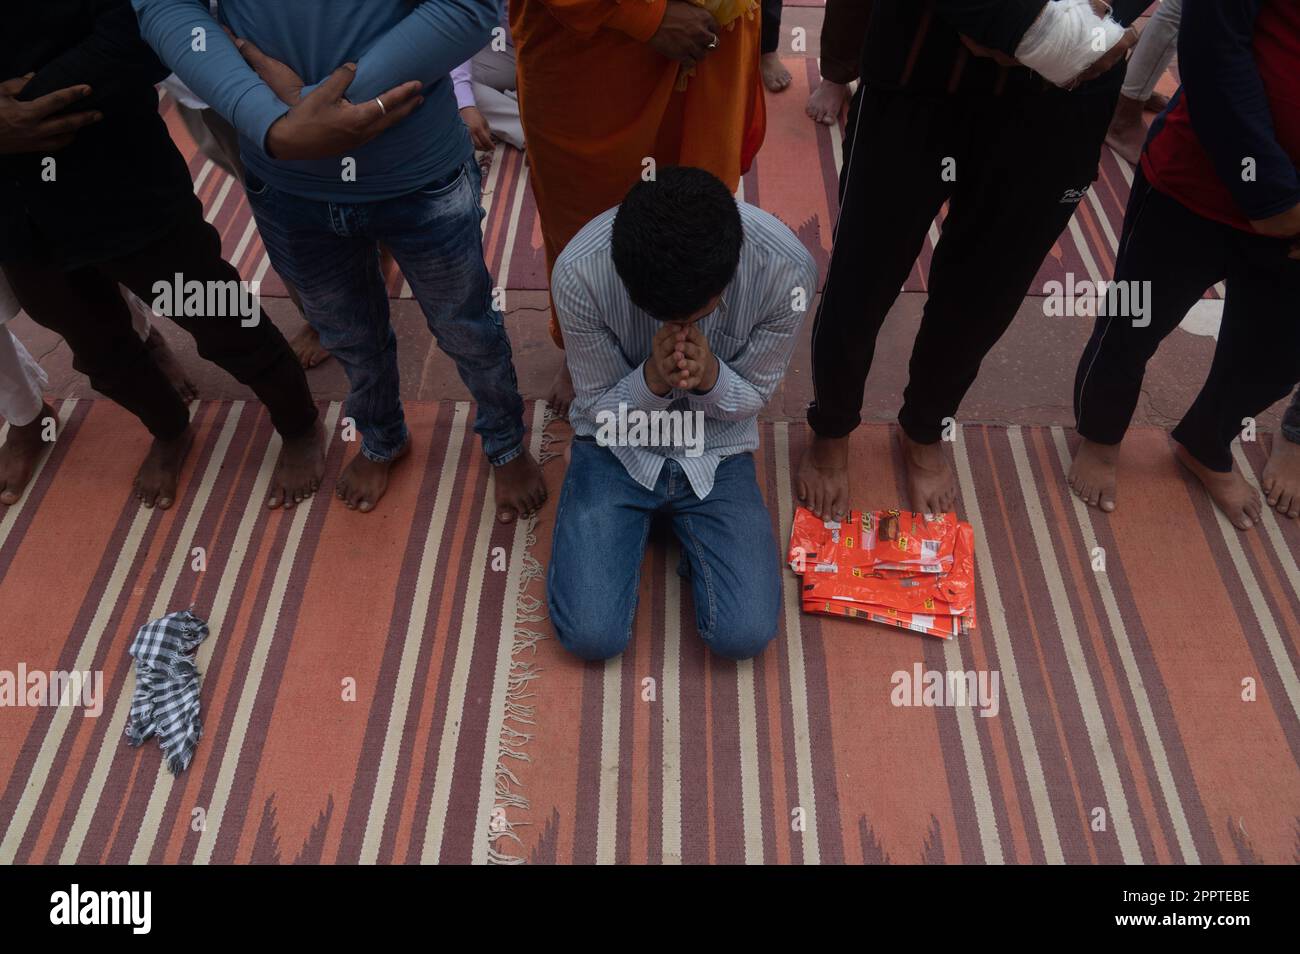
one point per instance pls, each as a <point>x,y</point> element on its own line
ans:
<point>911,570</point>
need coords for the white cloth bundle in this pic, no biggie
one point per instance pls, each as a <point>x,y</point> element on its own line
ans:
<point>22,382</point>
<point>1066,39</point>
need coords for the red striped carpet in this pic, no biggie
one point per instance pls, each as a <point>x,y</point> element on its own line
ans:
<point>385,687</point>
<point>795,177</point>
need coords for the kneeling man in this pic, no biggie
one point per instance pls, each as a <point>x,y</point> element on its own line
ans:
<point>679,310</point>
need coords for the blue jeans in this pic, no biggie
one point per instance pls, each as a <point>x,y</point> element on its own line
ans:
<point>329,252</point>
<point>601,528</point>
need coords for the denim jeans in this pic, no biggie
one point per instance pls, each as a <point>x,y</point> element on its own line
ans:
<point>601,528</point>
<point>329,252</point>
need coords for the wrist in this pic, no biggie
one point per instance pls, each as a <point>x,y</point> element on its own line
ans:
<point>653,380</point>
<point>273,144</point>
<point>709,379</point>
<point>710,374</point>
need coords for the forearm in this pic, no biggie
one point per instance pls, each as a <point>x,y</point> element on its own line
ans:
<point>748,382</point>
<point>462,81</point>
<point>1229,107</point>
<point>114,57</point>
<point>216,72</point>
<point>998,24</point>
<point>428,44</point>
<point>1127,11</point>
<point>731,398</point>
<point>602,377</point>
<point>595,399</point>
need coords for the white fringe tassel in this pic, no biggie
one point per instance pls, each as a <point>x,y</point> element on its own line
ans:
<point>520,715</point>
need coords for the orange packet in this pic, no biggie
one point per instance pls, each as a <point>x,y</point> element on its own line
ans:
<point>879,539</point>
<point>951,593</point>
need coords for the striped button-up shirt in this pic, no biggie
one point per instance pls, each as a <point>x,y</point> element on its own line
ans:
<point>752,333</point>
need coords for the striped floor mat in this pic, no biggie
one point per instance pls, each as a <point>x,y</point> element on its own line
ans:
<point>779,181</point>
<point>386,688</point>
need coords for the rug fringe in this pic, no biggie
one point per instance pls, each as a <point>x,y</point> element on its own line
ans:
<point>519,715</point>
<point>544,450</point>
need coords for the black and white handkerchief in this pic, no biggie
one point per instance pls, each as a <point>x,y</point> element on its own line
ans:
<point>166,700</point>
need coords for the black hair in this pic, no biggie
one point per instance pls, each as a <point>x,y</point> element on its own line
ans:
<point>676,241</point>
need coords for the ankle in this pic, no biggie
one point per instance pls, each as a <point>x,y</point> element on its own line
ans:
<point>1128,111</point>
<point>179,440</point>
<point>33,432</point>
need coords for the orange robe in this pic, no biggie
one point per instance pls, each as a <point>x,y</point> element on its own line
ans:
<point>597,100</point>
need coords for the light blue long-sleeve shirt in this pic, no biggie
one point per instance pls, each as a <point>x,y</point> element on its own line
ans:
<point>607,340</point>
<point>391,42</point>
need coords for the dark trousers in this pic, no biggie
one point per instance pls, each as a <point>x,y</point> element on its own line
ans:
<point>1257,358</point>
<point>1018,170</point>
<point>85,307</point>
<point>771,32</point>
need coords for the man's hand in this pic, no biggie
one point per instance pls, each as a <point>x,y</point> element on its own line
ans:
<point>1109,58</point>
<point>284,82</point>
<point>33,126</point>
<point>480,133</point>
<point>686,34</point>
<point>1283,225</point>
<point>658,367</point>
<point>988,53</point>
<point>323,123</point>
<point>695,367</point>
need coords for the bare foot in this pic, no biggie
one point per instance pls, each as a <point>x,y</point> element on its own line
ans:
<point>1156,103</point>
<point>1092,475</point>
<point>822,482</point>
<point>1127,132</point>
<point>1238,500</point>
<point>775,76</point>
<point>19,453</point>
<point>520,489</point>
<point>168,363</point>
<point>931,482</point>
<point>364,481</point>
<point>1281,480</point>
<point>299,470</point>
<point>827,102</point>
<point>562,393</point>
<point>158,476</point>
<point>306,345</point>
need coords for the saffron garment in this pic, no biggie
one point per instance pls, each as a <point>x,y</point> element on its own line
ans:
<point>597,101</point>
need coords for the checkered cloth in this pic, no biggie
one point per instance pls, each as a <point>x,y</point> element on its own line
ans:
<point>166,700</point>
